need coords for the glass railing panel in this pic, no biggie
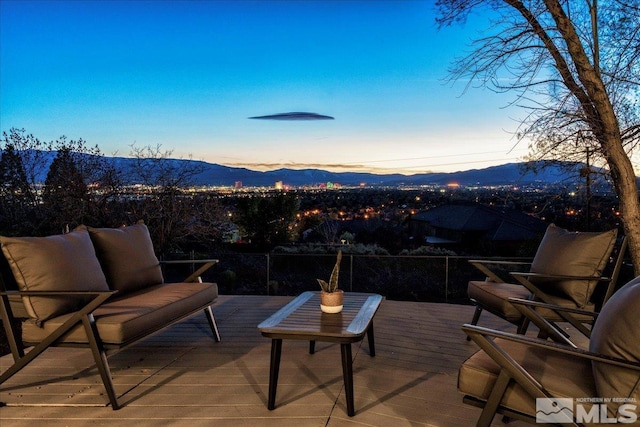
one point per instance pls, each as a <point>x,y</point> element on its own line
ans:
<point>404,278</point>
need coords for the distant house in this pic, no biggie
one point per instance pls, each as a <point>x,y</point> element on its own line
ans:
<point>476,228</point>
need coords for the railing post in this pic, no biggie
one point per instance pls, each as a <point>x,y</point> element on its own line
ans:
<point>351,273</point>
<point>446,278</point>
<point>268,273</point>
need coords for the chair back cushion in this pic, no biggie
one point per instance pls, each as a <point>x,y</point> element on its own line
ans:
<point>567,253</point>
<point>617,333</point>
<point>127,257</point>
<point>64,262</point>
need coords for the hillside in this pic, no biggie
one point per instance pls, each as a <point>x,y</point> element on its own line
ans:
<point>508,174</point>
<point>213,174</point>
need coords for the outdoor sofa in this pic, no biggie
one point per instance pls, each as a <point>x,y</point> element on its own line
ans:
<point>100,288</point>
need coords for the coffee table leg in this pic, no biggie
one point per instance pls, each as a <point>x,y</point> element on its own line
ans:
<point>372,344</point>
<point>347,374</point>
<point>312,346</point>
<point>276,351</point>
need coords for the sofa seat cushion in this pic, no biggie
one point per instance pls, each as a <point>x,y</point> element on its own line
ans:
<point>493,296</point>
<point>125,319</point>
<point>127,257</point>
<point>65,262</point>
<point>560,374</point>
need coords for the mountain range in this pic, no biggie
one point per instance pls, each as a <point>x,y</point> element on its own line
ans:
<point>212,174</point>
<point>507,174</point>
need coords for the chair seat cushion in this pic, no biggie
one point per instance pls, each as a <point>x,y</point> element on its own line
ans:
<point>123,320</point>
<point>494,297</point>
<point>560,374</point>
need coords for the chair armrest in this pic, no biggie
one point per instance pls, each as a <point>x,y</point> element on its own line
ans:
<point>499,262</point>
<point>482,335</point>
<point>195,276</point>
<point>482,265</point>
<point>525,280</point>
<point>528,309</point>
<point>554,307</point>
<point>511,368</point>
<point>190,261</point>
<point>529,275</point>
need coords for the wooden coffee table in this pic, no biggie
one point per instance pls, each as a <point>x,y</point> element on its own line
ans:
<point>302,319</point>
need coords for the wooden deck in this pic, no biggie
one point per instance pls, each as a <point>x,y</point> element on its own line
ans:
<point>182,377</point>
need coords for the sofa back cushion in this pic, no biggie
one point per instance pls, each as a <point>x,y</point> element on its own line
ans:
<point>127,257</point>
<point>567,253</point>
<point>64,262</point>
<point>617,333</point>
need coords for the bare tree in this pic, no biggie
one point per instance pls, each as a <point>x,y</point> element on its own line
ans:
<point>575,67</point>
<point>176,217</point>
<point>329,230</point>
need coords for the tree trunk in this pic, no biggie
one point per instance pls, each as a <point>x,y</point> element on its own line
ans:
<point>601,118</point>
<point>564,42</point>
<point>624,180</point>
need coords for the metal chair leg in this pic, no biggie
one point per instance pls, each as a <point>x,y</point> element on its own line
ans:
<point>522,327</point>
<point>212,323</point>
<point>476,317</point>
<point>100,358</point>
<point>493,402</point>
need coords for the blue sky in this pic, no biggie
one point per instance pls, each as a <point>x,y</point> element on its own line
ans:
<point>188,74</point>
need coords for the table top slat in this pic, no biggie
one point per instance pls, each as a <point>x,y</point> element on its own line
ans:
<point>285,311</point>
<point>363,318</point>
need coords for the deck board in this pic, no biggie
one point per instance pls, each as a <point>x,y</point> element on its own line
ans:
<point>181,375</point>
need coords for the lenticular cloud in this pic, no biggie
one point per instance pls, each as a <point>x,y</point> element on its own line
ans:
<point>293,116</point>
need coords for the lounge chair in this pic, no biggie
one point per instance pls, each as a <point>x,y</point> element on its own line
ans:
<point>566,271</point>
<point>542,381</point>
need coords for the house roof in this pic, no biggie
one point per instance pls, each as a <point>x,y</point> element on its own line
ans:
<point>497,223</point>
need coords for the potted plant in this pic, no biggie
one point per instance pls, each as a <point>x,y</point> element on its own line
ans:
<point>331,298</point>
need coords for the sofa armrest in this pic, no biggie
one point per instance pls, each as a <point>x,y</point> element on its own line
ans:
<point>56,293</point>
<point>195,276</point>
<point>13,337</point>
<point>98,298</point>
